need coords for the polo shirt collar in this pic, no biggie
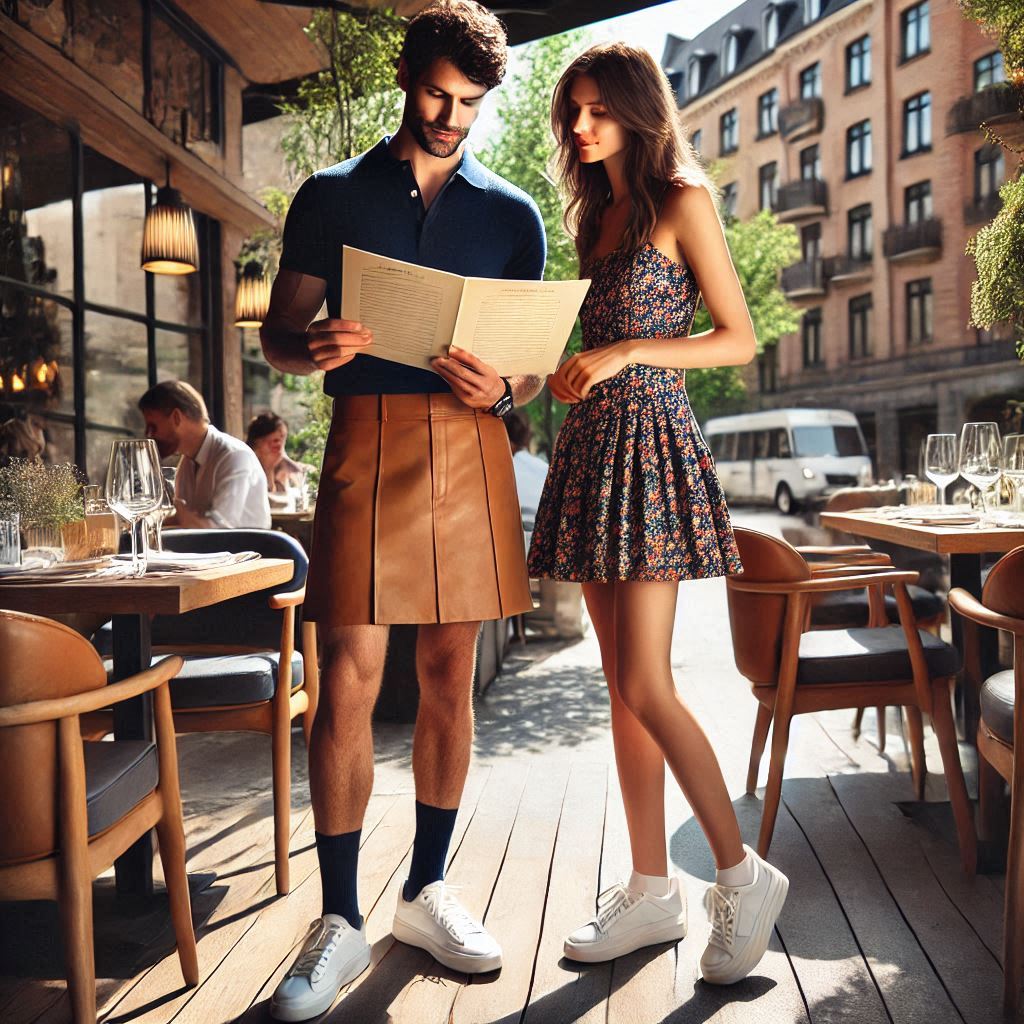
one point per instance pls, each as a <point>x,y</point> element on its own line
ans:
<point>470,169</point>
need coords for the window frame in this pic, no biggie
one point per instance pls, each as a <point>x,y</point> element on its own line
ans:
<point>772,184</point>
<point>918,194</point>
<point>816,176</point>
<point>920,15</point>
<point>859,310</point>
<point>860,225</point>
<point>768,103</point>
<point>919,300</point>
<point>862,141</point>
<point>811,324</point>
<point>812,74</point>
<point>733,114</point>
<point>997,79</point>
<point>863,57</point>
<point>920,104</point>
<point>770,20</point>
<point>730,195</point>
<point>982,166</point>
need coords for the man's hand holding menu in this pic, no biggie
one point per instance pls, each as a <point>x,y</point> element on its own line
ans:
<point>415,313</point>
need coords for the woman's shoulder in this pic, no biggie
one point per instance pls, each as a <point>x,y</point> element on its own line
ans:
<point>687,206</point>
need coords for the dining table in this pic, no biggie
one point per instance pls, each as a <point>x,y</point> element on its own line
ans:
<point>130,603</point>
<point>965,544</point>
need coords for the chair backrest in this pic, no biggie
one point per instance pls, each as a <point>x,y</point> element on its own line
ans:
<point>1004,588</point>
<point>756,620</point>
<point>860,497</point>
<point>39,660</point>
<point>246,620</point>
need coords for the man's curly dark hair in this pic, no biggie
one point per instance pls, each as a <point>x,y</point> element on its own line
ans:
<point>462,32</point>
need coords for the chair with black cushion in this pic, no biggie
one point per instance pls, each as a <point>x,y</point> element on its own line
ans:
<point>1000,735</point>
<point>69,808</point>
<point>794,671</point>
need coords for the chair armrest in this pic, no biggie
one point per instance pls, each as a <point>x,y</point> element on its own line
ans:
<point>843,569</point>
<point>290,598</point>
<point>971,608</point>
<point>37,711</point>
<point>823,584</point>
<point>835,549</point>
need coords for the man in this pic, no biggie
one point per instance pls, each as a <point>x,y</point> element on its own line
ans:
<point>417,519</point>
<point>220,482</point>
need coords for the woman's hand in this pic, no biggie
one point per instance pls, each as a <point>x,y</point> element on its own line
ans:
<point>578,374</point>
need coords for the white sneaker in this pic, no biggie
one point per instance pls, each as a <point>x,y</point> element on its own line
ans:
<point>628,920</point>
<point>437,922</point>
<point>742,919</point>
<point>333,954</point>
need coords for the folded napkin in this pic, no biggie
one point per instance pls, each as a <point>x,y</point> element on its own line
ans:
<point>183,561</point>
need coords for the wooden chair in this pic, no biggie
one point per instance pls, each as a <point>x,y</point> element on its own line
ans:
<point>1000,734</point>
<point>793,672</point>
<point>70,807</point>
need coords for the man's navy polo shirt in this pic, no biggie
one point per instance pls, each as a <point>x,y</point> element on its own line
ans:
<point>479,225</point>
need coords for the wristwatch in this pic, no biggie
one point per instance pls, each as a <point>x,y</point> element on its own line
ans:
<point>503,406</point>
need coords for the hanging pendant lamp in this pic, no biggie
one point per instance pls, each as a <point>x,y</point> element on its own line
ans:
<point>252,298</point>
<point>169,242</point>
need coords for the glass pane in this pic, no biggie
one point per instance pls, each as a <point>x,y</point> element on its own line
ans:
<point>97,451</point>
<point>60,440</point>
<point>178,298</point>
<point>180,357</point>
<point>115,371</point>
<point>106,41</point>
<point>35,198</point>
<point>35,353</point>
<point>113,211</point>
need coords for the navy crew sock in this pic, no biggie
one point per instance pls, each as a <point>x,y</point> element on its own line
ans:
<point>339,859</point>
<point>434,827</point>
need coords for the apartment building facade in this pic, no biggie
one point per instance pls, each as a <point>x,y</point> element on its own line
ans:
<point>856,122</point>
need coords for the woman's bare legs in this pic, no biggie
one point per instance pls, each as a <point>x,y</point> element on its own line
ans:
<point>640,762</point>
<point>644,615</point>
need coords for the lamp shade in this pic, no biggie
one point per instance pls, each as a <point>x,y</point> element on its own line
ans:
<point>252,299</point>
<point>169,243</point>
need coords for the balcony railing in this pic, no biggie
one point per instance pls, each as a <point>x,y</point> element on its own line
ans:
<point>998,103</point>
<point>978,211</point>
<point>803,280</point>
<point>920,241</point>
<point>802,118</point>
<point>842,269</point>
<point>805,198</point>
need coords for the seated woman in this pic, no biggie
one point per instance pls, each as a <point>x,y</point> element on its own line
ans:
<point>266,436</point>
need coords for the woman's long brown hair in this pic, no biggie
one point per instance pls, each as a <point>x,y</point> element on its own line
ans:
<point>636,94</point>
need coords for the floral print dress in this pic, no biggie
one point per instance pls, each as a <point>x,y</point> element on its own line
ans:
<point>632,493</point>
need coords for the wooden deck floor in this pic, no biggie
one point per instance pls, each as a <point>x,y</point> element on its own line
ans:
<point>879,926</point>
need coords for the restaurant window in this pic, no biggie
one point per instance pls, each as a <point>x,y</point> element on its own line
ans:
<point>768,185</point>
<point>915,33</point>
<point>810,82</point>
<point>860,326</point>
<point>917,124</point>
<point>858,149</point>
<point>989,70</point>
<point>768,113</point>
<point>917,202</point>
<point>810,332</point>
<point>988,171</point>
<point>729,199</point>
<point>858,226</point>
<point>858,63</point>
<point>810,163</point>
<point>919,311</point>
<point>730,131</point>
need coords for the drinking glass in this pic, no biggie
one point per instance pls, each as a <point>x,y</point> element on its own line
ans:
<point>1013,467</point>
<point>980,456</point>
<point>940,464</point>
<point>134,489</point>
<point>166,506</point>
<point>10,539</point>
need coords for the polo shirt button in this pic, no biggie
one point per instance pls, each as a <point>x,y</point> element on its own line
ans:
<point>414,193</point>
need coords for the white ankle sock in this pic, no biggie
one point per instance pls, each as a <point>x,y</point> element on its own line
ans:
<point>653,885</point>
<point>738,874</point>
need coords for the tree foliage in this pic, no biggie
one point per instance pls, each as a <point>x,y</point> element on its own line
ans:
<point>1003,19</point>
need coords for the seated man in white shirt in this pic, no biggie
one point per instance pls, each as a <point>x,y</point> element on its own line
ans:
<point>220,482</point>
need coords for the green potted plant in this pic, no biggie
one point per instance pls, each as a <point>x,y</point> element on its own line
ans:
<point>48,499</point>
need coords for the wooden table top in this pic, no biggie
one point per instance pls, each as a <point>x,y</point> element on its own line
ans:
<point>153,595</point>
<point>943,540</point>
<point>291,517</point>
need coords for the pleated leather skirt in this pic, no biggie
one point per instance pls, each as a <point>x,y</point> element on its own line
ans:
<point>417,518</point>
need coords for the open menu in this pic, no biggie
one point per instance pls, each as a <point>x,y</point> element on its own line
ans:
<point>415,313</point>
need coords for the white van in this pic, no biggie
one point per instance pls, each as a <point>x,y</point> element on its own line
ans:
<point>787,456</point>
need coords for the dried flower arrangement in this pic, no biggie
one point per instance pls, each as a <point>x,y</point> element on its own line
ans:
<point>43,495</point>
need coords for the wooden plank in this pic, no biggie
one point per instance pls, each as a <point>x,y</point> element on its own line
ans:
<point>944,540</point>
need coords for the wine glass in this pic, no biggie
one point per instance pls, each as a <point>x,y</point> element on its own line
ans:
<point>940,464</point>
<point>979,456</point>
<point>1013,467</point>
<point>166,507</point>
<point>134,489</point>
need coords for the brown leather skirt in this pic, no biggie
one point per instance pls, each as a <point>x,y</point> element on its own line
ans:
<point>417,518</point>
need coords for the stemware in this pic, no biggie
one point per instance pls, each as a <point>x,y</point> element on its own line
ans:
<point>1013,467</point>
<point>940,465</point>
<point>980,456</point>
<point>134,489</point>
<point>166,507</point>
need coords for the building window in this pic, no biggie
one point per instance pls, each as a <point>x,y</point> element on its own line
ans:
<point>729,199</point>
<point>812,11</point>
<point>730,53</point>
<point>768,113</point>
<point>988,171</point>
<point>810,242</point>
<point>989,71</point>
<point>860,326</point>
<point>858,63</point>
<point>917,202</point>
<point>770,28</point>
<point>858,149</point>
<point>810,163</point>
<point>999,333</point>
<point>915,34</point>
<point>730,131</point>
<point>810,82</point>
<point>858,223</point>
<point>917,124</point>
<point>810,333</point>
<point>919,311</point>
<point>695,140</point>
<point>768,185</point>
<point>694,76</point>
<point>768,372</point>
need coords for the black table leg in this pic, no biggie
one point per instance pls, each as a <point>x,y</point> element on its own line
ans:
<point>133,720</point>
<point>965,572</point>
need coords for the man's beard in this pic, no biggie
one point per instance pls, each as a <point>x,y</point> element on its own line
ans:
<point>435,147</point>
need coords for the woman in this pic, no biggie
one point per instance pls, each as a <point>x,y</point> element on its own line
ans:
<point>266,436</point>
<point>631,504</point>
